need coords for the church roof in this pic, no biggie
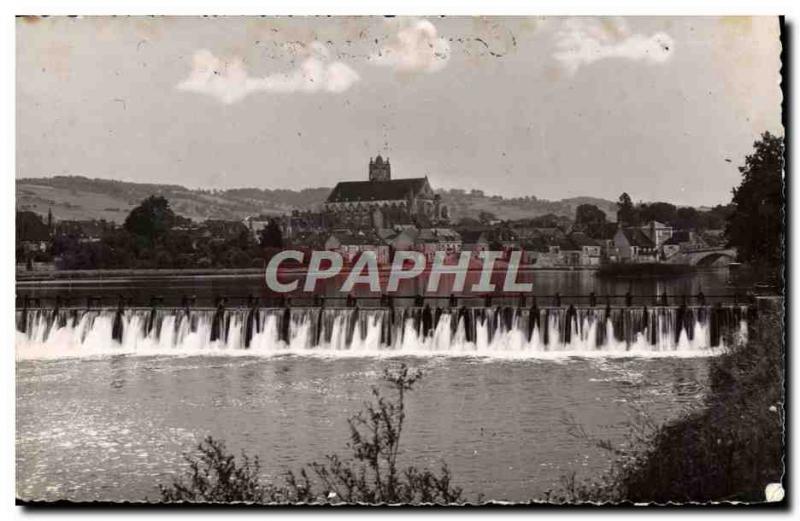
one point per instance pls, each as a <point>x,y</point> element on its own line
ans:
<point>394,190</point>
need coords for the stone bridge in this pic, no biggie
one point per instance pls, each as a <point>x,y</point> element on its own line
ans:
<point>704,257</point>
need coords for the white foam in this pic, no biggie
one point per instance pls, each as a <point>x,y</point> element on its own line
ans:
<point>350,333</point>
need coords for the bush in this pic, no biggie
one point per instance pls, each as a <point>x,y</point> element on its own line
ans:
<point>371,476</point>
<point>216,477</point>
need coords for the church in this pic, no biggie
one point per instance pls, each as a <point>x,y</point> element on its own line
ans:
<point>383,202</point>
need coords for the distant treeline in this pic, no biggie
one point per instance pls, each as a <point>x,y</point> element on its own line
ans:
<point>153,236</point>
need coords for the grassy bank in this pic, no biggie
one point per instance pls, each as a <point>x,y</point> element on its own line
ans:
<point>729,451</point>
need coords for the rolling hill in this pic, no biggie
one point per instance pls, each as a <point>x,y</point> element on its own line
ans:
<point>77,197</point>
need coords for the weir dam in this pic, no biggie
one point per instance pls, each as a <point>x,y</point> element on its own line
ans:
<point>501,331</point>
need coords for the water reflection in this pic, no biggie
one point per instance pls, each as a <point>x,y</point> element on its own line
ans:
<point>545,282</point>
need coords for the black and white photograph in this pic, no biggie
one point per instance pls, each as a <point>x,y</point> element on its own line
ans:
<point>400,260</point>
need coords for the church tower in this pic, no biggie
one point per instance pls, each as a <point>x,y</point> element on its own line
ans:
<point>380,170</point>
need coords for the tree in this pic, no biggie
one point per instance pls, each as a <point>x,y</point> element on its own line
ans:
<point>486,217</point>
<point>658,211</point>
<point>755,226</point>
<point>550,220</point>
<point>151,219</point>
<point>590,218</point>
<point>687,218</point>
<point>626,212</point>
<point>468,222</point>
<point>271,235</point>
<point>715,218</point>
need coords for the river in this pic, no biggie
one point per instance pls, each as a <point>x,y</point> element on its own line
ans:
<point>141,288</point>
<point>112,428</point>
<point>102,416</point>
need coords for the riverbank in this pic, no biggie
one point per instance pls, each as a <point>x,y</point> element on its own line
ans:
<point>731,450</point>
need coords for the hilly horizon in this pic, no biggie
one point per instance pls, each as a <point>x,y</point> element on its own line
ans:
<point>79,197</point>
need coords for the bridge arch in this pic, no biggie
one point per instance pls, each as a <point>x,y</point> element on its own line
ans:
<point>709,258</point>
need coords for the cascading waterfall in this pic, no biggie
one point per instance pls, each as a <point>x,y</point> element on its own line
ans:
<point>497,331</point>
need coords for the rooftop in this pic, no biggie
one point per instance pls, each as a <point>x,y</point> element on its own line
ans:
<point>637,237</point>
<point>394,190</point>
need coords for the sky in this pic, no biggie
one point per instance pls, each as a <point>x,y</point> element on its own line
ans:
<point>662,108</point>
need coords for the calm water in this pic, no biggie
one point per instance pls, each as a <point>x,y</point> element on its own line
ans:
<point>114,427</point>
<point>205,288</point>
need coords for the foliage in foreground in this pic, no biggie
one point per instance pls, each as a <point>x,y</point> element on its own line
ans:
<point>372,475</point>
<point>217,477</point>
<point>729,451</point>
<point>756,224</point>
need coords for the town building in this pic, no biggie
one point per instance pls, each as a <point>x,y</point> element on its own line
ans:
<point>301,223</point>
<point>432,240</point>
<point>633,245</point>
<point>403,239</point>
<point>350,245</point>
<point>658,232</point>
<point>587,250</point>
<point>32,234</point>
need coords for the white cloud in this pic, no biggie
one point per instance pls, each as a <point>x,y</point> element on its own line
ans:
<point>415,47</point>
<point>227,79</point>
<point>583,42</point>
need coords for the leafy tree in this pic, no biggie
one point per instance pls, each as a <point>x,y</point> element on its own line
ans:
<point>151,219</point>
<point>755,226</point>
<point>468,222</point>
<point>658,211</point>
<point>123,248</point>
<point>688,218</point>
<point>237,258</point>
<point>626,212</point>
<point>486,217</point>
<point>550,221</point>
<point>271,235</point>
<point>590,218</point>
<point>715,218</point>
